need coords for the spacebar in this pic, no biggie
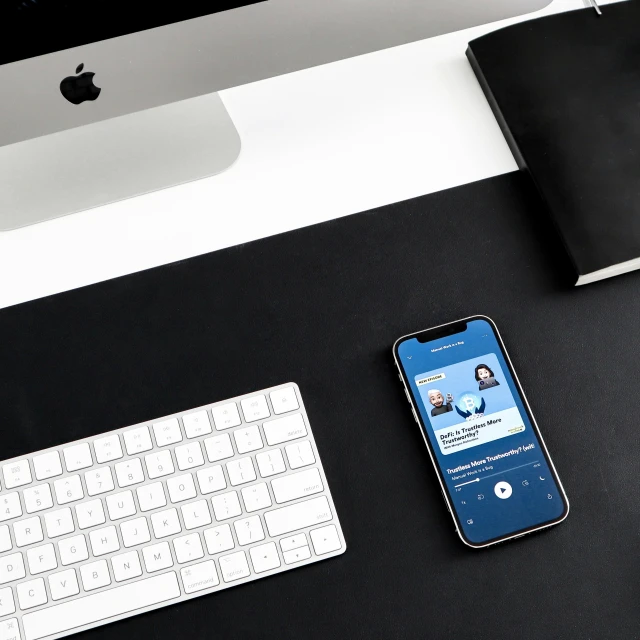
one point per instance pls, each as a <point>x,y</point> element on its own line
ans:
<point>101,606</point>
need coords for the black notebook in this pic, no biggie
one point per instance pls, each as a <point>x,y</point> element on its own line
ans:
<point>566,91</point>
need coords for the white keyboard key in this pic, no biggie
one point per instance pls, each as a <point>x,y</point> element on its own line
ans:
<point>296,555</point>
<point>167,432</point>
<point>200,576</point>
<point>28,531</point>
<point>188,548</point>
<point>211,479</point>
<point>7,604</point>
<point>37,498</point>
<point>265,557</point>
<point>5,538</point>
<point>300,454</point>
<point>151,496</point>
<point>77,457</point>
<point>270,463</point>
<point>165,523</point>
<point>298,516</point>
<point>189,456</point>
<point>226,416</point>
<point>218,447</point>
<point>284,400</point>
<point>59,523</point>
<point>32,594</point>
<point>99,481</point>
<point>249,530</point>
<point>129,472</point>
<point>137,441</point>
<point>126,566</point>
<point>157,557</point>
<point>121,505</point>
<point>196,514</point>
<point>325,540</point>
<point>63,585</point>
<point>297,485</point>
<point>226,506</point>
<point>159,464</point>
<point>10,506</point>
<point>234,566</point>
<point>16,474</point>
<point>68,489</point>
<point>196,424</point>
<point>293,542</point>
<point>107,449</point>
<point>41,559</point>
<point>181,488</point>
<point>135,532</point>
<point>90,514</point>
<point>241,471</point>
<point>9,630</point>
<point>127,598</point>
<point>219,539</point>
<point>95,575</point>
<point>104,541</point>
<point>248,439</point>
<point>255,408</point>
<point>47,465</point>
<point>256,497</point>
<point>73,550</point>
<point>284,429</point>
<point>11,568</point>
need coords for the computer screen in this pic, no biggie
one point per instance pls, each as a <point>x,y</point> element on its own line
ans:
<point>30,28</point>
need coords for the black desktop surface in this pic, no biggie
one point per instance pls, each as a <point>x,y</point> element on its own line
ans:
<point>322,306</point>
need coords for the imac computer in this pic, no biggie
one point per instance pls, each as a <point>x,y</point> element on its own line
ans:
<point>106,99</point>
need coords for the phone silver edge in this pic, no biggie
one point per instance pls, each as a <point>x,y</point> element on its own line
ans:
<point>416,415</point>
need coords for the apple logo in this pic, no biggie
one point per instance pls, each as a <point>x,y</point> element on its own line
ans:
<point>80,88</point>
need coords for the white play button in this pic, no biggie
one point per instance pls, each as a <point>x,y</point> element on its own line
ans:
<point>503,490</point>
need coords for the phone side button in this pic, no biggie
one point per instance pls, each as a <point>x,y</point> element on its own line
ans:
<point>406,393</point>
<point>445,500</point>
<point>414,414</point>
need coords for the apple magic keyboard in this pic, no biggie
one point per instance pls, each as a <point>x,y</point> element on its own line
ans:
<point>146,516</point>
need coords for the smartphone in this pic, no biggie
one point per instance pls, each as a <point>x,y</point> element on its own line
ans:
<point>494,469</point>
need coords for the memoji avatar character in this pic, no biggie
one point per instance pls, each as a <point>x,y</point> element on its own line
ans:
<point>439,405</point>
<point>485,377</point>
<point>470,406</point>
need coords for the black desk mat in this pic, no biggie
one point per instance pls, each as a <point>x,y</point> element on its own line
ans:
<point>322,306</point>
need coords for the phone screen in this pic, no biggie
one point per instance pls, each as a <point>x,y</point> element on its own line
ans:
<point>487,449</point>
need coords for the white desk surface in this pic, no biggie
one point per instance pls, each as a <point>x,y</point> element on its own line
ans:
<point>318,144</point>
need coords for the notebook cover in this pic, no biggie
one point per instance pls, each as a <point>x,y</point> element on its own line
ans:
<point>322,306</point>
<point>566,91</point>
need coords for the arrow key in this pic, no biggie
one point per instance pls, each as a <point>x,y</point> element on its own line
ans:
<point>265,557</point>
<point>297,555</point>
<point>325,539</point>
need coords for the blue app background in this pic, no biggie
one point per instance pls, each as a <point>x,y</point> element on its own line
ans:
<point>475,476</point>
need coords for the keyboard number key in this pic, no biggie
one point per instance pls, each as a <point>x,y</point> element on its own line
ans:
<point>255,408</point>
<point>300,454</point>
<point>234,566</point>
<point>107,449</point>
<point>200,576</point>
<point>218,447</point>
<point>99,481</point>
<point>265,557</point>
<point>189,456</point>
<point>219,539</point>
<point>167,432</point>
<point>37,498</point>
<point>159,464</point>
<point>283,400</point>
<point>137,441</point>
<point>196,424</point>
<point>47,465</point>
<point>10,506</point>
<point>226,416</point>
<point>129,472</point>
<point>68,489</point>
<point>16,474</point>
<point>77,457</point>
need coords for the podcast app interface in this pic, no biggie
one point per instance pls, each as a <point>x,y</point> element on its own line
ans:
<point>491,460</point>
